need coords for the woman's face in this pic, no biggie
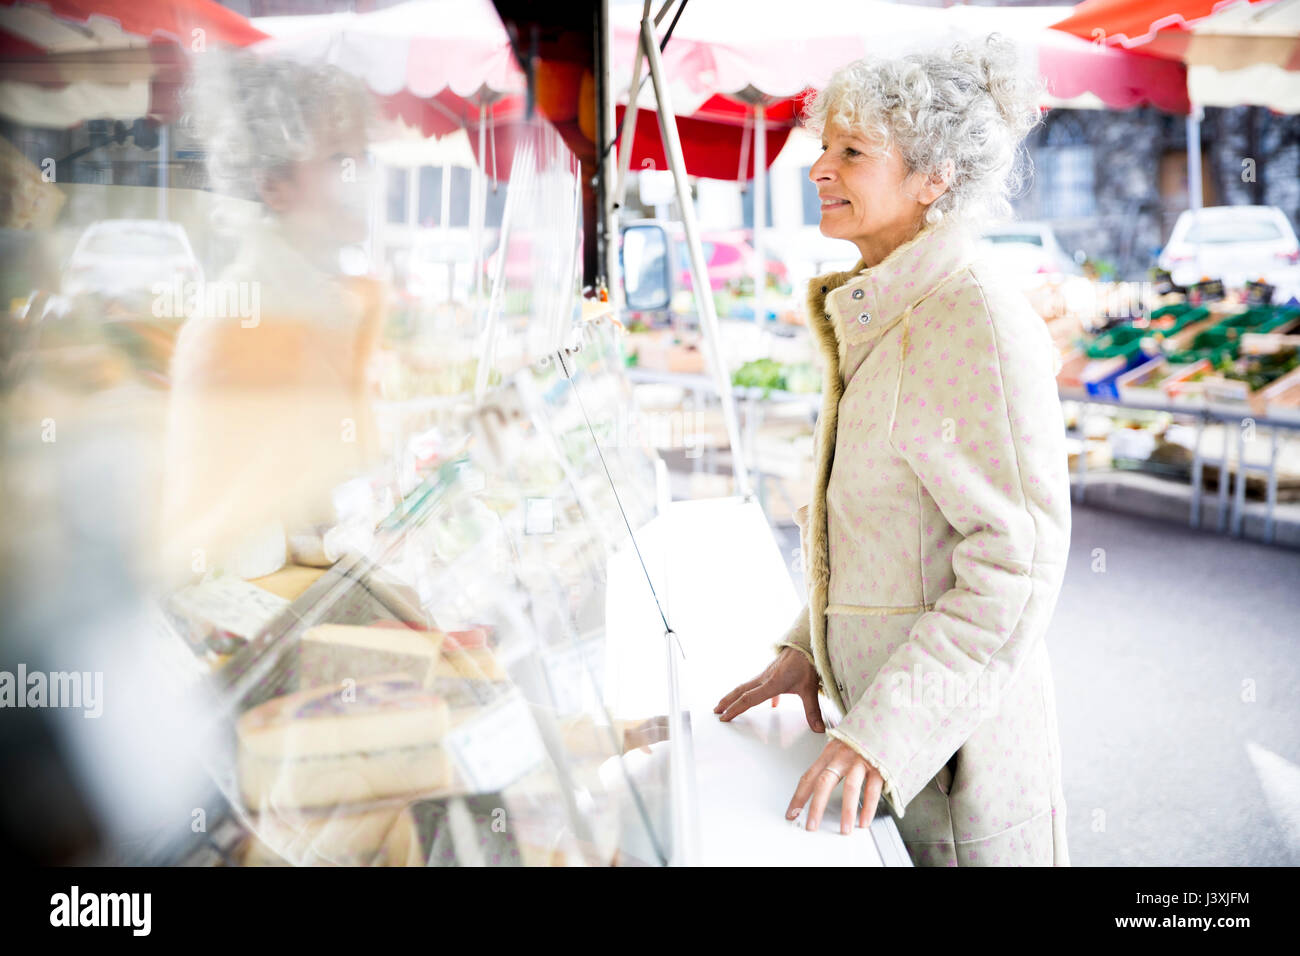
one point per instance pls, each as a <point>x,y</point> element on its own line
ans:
<point>326,198</point>
<point>865,198</point>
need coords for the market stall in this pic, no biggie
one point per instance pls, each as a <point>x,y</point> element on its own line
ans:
<point>411,585</point>
<point>1188,366</point>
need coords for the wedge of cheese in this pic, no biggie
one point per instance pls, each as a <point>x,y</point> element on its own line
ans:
<point>330,653</point>
<point>470,663</point>
<point>289,582</point>
<point>385,836</point>
<point>466,654</point>
<point>347,743</point>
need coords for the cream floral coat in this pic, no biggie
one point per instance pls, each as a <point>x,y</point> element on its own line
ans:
<point>935,544</point>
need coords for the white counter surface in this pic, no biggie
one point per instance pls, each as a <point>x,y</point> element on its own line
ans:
<point>727,593</point>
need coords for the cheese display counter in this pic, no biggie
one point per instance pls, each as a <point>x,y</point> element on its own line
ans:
<point>434,692</point>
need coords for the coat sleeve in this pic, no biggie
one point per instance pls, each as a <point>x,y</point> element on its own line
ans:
<point>977,418</point>
<point>799,634</point>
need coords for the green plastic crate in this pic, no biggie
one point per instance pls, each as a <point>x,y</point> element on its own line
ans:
<point>1183,317</point>
<point>1123,341</point>
<point>1212,354</point>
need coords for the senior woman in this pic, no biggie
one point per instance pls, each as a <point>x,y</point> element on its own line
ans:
<point>936,538</point>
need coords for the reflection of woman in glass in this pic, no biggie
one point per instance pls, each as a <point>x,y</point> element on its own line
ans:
<point>269,403</point>
<point>938,531</point>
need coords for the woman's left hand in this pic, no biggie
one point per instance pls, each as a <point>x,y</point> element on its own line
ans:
<point>838,761</point>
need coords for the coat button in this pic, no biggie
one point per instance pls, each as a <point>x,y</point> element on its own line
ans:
<point>864,317</point>
<point>857,293</point>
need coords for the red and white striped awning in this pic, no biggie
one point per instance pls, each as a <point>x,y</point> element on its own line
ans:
<point>66,61</point>
<point>1237,52</point>
<point>735,48</point>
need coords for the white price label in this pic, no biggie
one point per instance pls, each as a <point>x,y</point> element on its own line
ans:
<point>498,746</point>
<point>539,516</point>
<point>575,673</point>
<point>229,604</point>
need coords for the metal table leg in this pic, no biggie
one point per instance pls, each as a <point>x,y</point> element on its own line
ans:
<point>1221,519</point>
<point>1239,499</point>
<point>1272,488</point>
<point>1083,451</point>
<point>1198,462</point>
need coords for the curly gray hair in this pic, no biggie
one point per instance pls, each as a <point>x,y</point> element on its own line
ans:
<point>971,105</point>
<point>258,114</point>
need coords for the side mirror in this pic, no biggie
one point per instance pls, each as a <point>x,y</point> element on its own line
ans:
<point>647,267</point>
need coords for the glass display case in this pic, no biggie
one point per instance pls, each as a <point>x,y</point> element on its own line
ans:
<point>371,518</point>
<point>434,694</point>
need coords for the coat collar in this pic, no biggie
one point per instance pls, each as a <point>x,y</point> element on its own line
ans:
<point>885,292</point>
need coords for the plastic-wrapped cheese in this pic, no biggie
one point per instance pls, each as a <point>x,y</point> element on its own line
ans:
<point>345,743</point>
<point>329,653</point>
<point>385,836</point>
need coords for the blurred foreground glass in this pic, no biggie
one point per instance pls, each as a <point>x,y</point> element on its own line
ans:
<point>327,553</point>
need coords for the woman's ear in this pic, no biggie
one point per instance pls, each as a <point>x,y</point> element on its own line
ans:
<point>278,190</point>
<point>938,182</point>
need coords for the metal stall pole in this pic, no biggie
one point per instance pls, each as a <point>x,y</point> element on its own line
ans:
<point>605,125</point>
<point>479,226</point>
<point>487,346</point>
<point>1194,197</point>
<point>760,211</point>
<point>628,130</point>
<point>699,274</point>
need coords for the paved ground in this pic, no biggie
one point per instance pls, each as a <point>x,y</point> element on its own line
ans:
<point>1178,688</point>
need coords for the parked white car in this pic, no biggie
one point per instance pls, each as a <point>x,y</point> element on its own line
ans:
<point>1235,244</point>
<point>1027,250</point>
<point>123,259</point>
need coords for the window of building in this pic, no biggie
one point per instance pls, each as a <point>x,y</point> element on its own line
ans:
<point>396,195</point>
<point>430,207</point>
<point>458,215</point>
<point>1065,183</point>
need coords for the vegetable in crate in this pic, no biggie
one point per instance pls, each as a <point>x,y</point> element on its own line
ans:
<point>1257,371</point>
<point>803,378</point>
<point>761,373</point>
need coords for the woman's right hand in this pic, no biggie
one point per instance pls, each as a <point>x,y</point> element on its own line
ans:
<point>790,673</point>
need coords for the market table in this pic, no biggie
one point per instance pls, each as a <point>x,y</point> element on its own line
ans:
<point>1204,415</point>
<point>751,403</point>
